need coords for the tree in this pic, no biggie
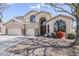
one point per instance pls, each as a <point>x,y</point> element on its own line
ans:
<point>3,7</point>
<point>74,13</point>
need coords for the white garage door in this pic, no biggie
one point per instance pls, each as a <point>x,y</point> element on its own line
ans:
<point>30,32</point>
<point>14,31</point>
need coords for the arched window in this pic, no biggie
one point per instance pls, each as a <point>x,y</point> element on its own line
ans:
<point>32,18</point>
<point>60,25</point>
<point>43,21</point>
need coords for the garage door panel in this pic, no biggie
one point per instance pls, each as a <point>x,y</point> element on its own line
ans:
<point>30,32</point>
<point>14,31</point>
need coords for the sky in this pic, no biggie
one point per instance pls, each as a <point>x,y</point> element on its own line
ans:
<point>20,9</point>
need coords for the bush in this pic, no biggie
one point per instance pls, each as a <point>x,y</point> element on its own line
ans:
<point>60,34</point>
<point>71,36</point>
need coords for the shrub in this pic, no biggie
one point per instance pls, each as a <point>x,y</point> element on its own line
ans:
<point>71,36</point>
<point>60,34</point>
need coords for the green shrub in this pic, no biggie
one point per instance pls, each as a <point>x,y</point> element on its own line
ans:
<point>71,36</point>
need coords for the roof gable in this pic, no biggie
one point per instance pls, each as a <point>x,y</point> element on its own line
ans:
<point>64,16</point>
<point>43,12</point>
<point>31,12</point>
<point>14,20</point>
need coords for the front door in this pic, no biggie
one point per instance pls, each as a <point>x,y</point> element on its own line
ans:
<point>24,31</point>
<point>43,30</point>
<point>43,26</point>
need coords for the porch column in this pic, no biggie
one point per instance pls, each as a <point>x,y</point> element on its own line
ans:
<point>46,29</point>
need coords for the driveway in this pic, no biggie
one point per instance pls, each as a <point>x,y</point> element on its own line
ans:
<point>42,47</point>
<point>8,41</point>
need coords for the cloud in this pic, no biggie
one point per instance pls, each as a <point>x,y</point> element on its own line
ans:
<point>10,3</point>
<point>37,6</point>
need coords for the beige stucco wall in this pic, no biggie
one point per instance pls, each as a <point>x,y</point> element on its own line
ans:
<point>26,18</point>
<point>31,29</point>
<point>14,25</point>
<point>43,14</point>
<point>69,27</point>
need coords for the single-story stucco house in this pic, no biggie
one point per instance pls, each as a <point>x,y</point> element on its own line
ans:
<point>38,23</point>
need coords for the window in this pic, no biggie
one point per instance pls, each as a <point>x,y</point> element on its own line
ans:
<point>32,19</point>
<point>60,26</point>
<point>43,21</point>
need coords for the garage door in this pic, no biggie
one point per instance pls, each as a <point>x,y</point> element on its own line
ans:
<point>30,32</point>
<point>14,31</point>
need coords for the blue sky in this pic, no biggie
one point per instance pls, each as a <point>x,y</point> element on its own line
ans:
<point>20,9</point>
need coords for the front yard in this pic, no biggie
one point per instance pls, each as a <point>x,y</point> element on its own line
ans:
<point>40,46</point>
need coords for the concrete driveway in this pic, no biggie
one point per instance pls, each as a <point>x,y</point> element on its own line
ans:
<point>8,41</point>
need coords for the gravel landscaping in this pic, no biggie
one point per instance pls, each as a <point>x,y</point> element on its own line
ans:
<point>44,47</point>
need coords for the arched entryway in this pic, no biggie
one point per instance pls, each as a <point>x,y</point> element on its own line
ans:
<point>43,26</point>
<point>60,25</point>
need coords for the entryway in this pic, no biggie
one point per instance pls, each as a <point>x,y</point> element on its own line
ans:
<point>42,26</point>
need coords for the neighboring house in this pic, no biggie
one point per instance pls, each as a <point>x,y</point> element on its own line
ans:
<point>1,27</point>
<point>38,23</point>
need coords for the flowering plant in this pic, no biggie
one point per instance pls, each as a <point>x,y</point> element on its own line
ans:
<point>60,34</point>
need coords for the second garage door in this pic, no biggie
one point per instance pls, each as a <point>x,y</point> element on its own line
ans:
<point>30,32</point>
